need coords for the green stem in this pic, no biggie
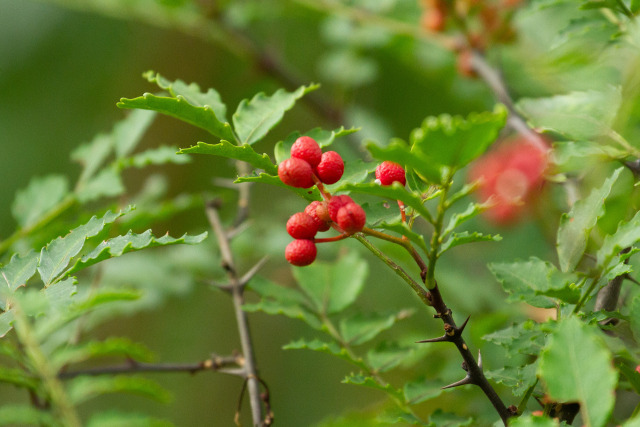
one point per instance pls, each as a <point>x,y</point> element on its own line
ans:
<point>405,243</point>
<point>437,232</point>
<point>585,296</point>
<point>525,399</point>
<point>419,290</point>
<point>59,399</point>
<point>625,9</point>
<point>52,214</point>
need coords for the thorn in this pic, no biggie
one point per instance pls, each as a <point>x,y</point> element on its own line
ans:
<point>464,325</point>
<point>479,360</point>
<point>444,338</point>
<point>631,279</point>
<point>466,380</point>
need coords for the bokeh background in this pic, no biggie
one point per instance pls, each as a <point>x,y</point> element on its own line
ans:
<point>64,64</point>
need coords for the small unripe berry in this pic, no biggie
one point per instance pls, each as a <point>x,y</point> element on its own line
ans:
<point>301,252</point>
<point>296,173</point>
<point>307,149</point>
<point>336,203</point>
<point>389,172</point>
<point>351,218</point>
<point>330,168</point>
<point>302,226</point>
<point>318,212</point>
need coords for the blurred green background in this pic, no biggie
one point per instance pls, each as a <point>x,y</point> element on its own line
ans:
<point>64,65</point>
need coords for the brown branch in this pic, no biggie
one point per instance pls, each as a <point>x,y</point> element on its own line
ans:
<point>222,364</point>
<point>237,293</point>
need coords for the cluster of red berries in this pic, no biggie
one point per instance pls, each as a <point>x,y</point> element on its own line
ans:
<point>512,175</point>
<point>309,166</point>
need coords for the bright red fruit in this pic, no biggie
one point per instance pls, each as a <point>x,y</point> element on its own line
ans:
<point>330,168</point>
<point>307,149</point>
<point>511,175</point>
<point>302,226</point>
<point>318,212</point>
<point>301,252</point>
<point>351,218</point>
<point>389,172</point>
<point>296,173</point>
<point>336,203</point>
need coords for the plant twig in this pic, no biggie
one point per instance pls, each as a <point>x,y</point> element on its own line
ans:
<point>237,293</point>
<point>224,364</point>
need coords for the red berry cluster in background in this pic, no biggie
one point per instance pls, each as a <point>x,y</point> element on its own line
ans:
<point>511,175</point>
<point>309,166</point>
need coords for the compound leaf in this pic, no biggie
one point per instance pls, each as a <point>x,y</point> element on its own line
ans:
<point>324,347</point>
<point>155,156</point>
<point>456,239</point>
<point>361,328</point>
<point>55,257</point>
<point>627,235</point>
<point>84,388</point>
<point>113,346</point>
<point>253,119</point>
<point>15,274</point>
<point>367,381</point>
<point>309,194</point>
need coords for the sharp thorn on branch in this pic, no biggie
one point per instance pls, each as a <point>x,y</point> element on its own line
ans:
<point>466,380</point>
<point>444,338</point>
<point>464,325</point>
<point>479,360</point>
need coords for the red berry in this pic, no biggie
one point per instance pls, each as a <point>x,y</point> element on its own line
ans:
<point>389,172</point>
<point>318,212</point>
<point>335,204</point>
<point>296,173</point>
<point>301,252</point>
<point>307,149</point>
<point>351,218</point>
<point>330,168</point>
<point>302,226</point>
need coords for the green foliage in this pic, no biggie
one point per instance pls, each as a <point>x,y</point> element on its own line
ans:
<point>576,366</point>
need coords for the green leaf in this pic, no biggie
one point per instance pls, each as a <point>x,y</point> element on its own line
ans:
<point>202,117</point>
<point>309,194</point>
<point>107,183</point>
<point>15,274</point>
<point>128,133</point>
<point>569,156</point>
<point>518,379</point>
<point>367,381</point>
<point>403,229</point>
<point>387,356</point>
<point>521,338</point>
<point>333,286</point>
<point>55,257</point>
<point>117,419</point>
<point>361,328</point>
<point>456,239</point>
<point>399,152</point>
<point>458,218</point>
<point>577,115</point>
<point>253,119</point>
<point>394,192</point>
<point>93,154</point>
<point>84,388</point>
<point>41,195</point>
<point>191,93</point>
<point>421,390</point>
<point>576,225</point>
<point>60,295</point>
<point>268,289</point>
<point>243,152</point>
<point>533,421</point>
<point>156,156</point>
<point>576,366</point>
<point>130,242</point>
<point>12,415</point>
<point>454,141</point>
<point>113,346</point>
<point>331,348</point>
<point>381,212</point>
<point>289,309</point>
<point>627,235</point>
<point>355,172</point>
<point>530,280</point>
<point>630,373</point>
<point>6,323</point>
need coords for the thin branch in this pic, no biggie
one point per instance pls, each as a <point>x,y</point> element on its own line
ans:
<point>237,292</point>
<point>215,363</point>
